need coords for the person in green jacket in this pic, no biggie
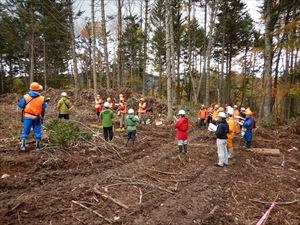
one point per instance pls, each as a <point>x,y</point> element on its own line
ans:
<point>106,118</point>
<point>64,106</point>
<point>131,121</point>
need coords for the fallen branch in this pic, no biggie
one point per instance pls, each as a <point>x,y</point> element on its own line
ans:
<point>167,180</point>
<point>277,203</point>
<point>93,211</point>
<point>110,198</point>
<point>167,173</point>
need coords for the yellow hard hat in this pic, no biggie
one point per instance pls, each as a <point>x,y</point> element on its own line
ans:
<point>248,112</point>
<point>216,106</point>
<point>142,99</point>
<point>221,109</point>
<point>121,99</point>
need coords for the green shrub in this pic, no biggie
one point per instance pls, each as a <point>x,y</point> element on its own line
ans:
<point>268,122</point>
<point>64,131</point>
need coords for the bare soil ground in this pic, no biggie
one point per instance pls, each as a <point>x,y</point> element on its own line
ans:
<point>148,183</point>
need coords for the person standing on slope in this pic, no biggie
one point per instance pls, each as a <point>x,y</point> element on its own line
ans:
<point>34,106</point>
<point>233,129</point>
<point>221,133</point>
<point>247,126</point>
<point>106,118</point>
<point>182,125</point>
<point>131,121</point>
<point>64,106</point>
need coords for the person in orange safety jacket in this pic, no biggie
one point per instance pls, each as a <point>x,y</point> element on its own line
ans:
<point>98,105</point>
<point>34,106</point>
<point>142,110</point>
<point>233,129</point>
<point>202,116</point>
<point>122,110</point>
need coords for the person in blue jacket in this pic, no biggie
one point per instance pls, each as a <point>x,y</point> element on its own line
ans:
<point>248,128</point>
<point>33,107</point>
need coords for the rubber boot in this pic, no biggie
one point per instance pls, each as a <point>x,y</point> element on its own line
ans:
<point>23,144</point>
<point>180,147</point>
<point>38,144</point>
<point>230,153</point>
<point>185,148</point>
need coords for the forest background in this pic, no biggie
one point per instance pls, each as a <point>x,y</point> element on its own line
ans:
<point>182,51</point>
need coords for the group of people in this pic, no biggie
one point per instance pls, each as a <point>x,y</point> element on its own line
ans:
<point>226,122</point>
<point>33,107</point>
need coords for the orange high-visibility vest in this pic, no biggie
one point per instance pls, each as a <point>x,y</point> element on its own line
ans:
<point>236,112</point>
<point>122,108</point>
<point>202,114</point>
<point>142,107</point>
<point>34,106</point>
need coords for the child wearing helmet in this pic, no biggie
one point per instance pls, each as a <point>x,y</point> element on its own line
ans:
<point>64,106</point>
<point>131,121</point>
<point>181,125</point>
<point>221,134</point>
<point>106,118</point>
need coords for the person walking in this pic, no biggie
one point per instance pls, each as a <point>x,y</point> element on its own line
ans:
<point>131,121</point>
<point>182,125</point>
<point>106,118</point>
<point>221,134</point>
<point>33,107</point>
<point>247,126</point>
<point>142,110</point>
<point>64,106</point>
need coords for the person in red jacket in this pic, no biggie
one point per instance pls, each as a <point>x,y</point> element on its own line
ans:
<point>182,125</point>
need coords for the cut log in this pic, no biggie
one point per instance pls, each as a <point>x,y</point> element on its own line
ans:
<point>266,151</point>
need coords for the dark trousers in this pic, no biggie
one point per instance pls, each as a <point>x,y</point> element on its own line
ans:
<point>63,116</point>
<point>131,135</point>
<point>108,133</point>
<point>209,120</point>
<point>201,123</point>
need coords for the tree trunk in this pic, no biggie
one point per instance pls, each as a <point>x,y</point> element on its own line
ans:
<point>214,4</point>
<point>145,47</point>
<point>104,39</point>
<point>268,60</point>
<point>120,44</point>
<point>2,75</point>
<point>168,58</point>
<point>94,47</point>
<point>31,53</point>
<point>45,63</point>
<point>173,66</point>
<point>73,48</point>
<point>244,85</point>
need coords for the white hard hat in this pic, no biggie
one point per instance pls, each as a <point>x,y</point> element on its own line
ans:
<point>181,112</point>
<point>222,115</point>
<point>64,94</point>
<point>106,104</point>
<point>235,106</point>
<point>230,110</point>
<point>130,111</point>
<point>243,109</point>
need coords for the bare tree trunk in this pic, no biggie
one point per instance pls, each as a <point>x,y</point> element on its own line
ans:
<point>120,50</point>
<point>214,4</point>
<point>252,81</point>
<point>2,75</point>
<point>94,47</point>
<point>45,63</point>
<point>145,47</point>
<point>168,57</point>
<point>31,53</point>
<point>268,60</point>
<point>173,66</point>
<point>104,39</point>
<point>73,48</point>
<point>244,77</point>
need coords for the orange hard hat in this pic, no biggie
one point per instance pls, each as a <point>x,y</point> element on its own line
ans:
<point>34,86</point>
